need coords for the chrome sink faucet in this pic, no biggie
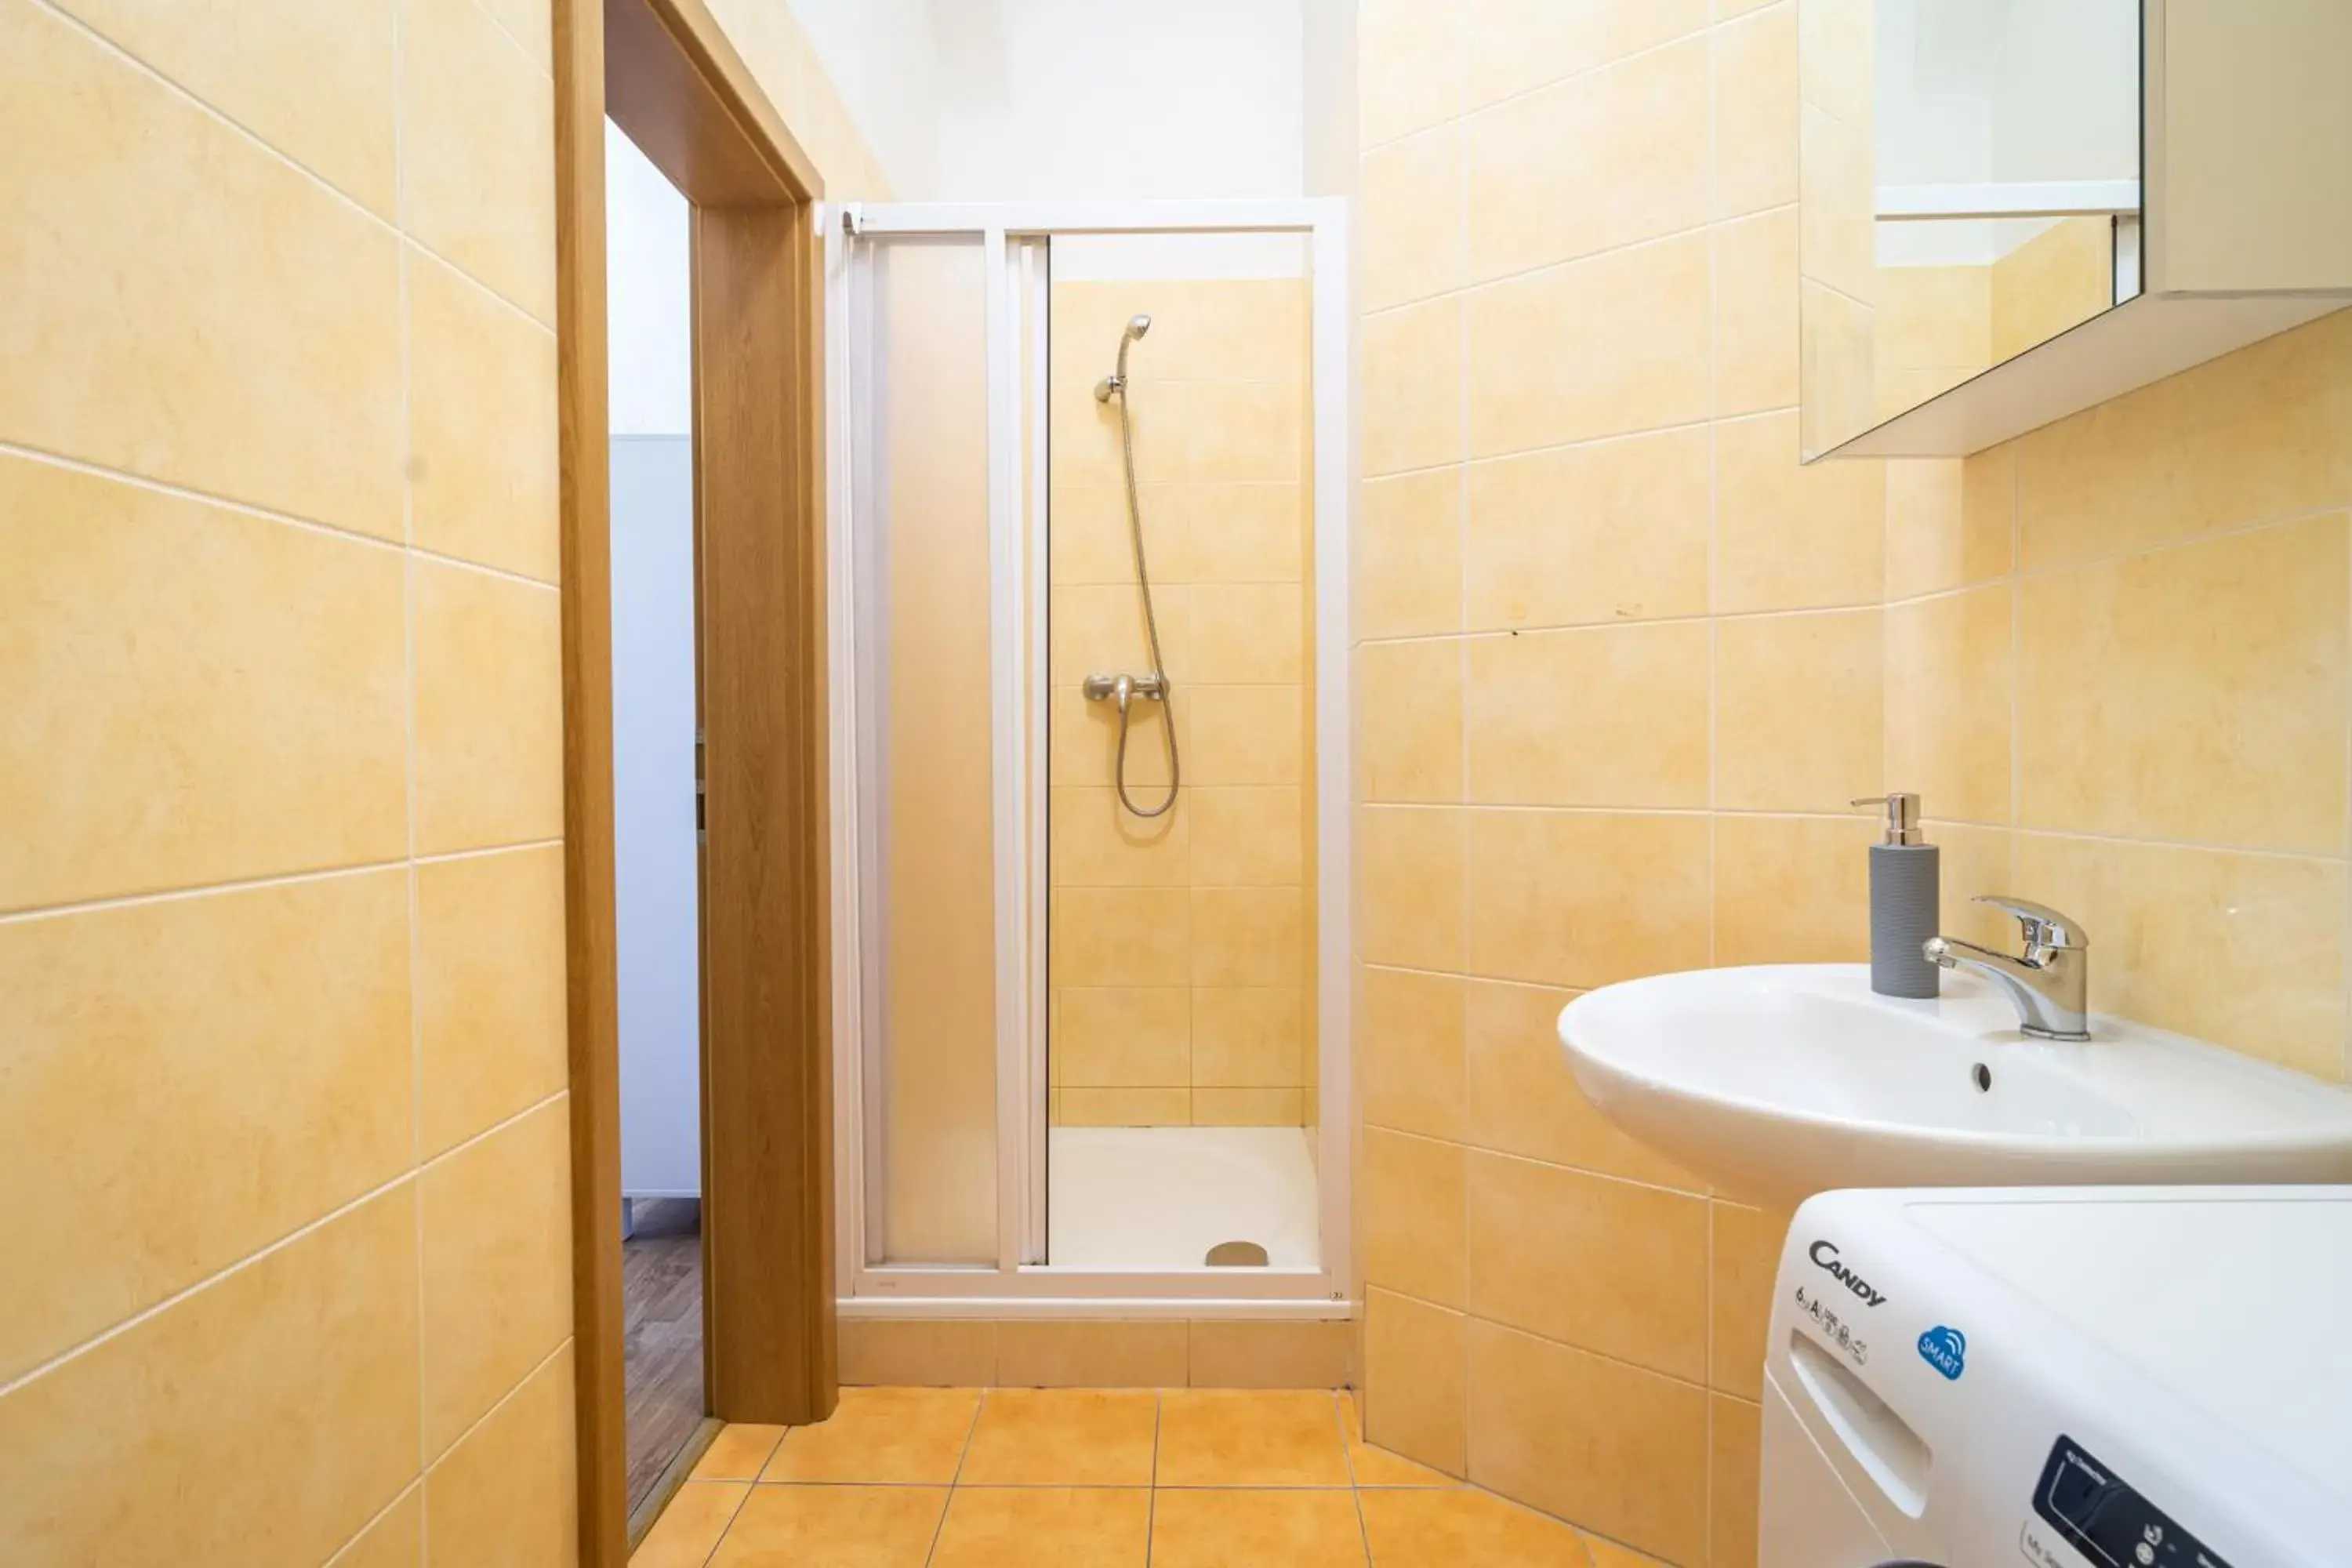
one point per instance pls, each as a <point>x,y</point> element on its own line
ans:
<point>2047,983</point>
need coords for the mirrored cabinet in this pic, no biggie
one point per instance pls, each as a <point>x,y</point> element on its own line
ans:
<point>2015,209</point>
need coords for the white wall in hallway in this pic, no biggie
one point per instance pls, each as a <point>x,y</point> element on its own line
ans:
<point>648,294</point>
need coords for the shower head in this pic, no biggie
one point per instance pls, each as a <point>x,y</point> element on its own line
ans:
<point>1116,382</point>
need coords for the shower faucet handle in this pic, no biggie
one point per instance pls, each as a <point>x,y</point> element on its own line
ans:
<point>1104,687</point>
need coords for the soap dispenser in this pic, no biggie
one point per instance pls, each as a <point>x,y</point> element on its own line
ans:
<point>1905,874</point>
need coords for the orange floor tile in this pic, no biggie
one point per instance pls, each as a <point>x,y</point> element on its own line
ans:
<point>929,1477</point>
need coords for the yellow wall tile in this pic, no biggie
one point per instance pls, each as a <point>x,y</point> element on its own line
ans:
<point>1091,1354</point>
<point>148,1011</point>
<point>1797,710</point>
<point>530,23</point>
<point>1412,377</point>
<point>1106,1038</point>
<point>917,1352</point>
<point>1408,1051</point>
<point>1194,431</point>
<point>489,710</point>
<point>1409,67</point>
<point>1516,45</point>
<point>225,692</point>
<point>478,149</point>
<point>1612,531</point>
<point>491,1026</point>
<point>1099,843</point>
<point>1409,197</point>
<point>508,1492</point>
<point>1613,716</point>
<point>1605,159</point>
<point>1220,1106</point>
<point>1411,1195</point>
<point>1408,876</point>
<point>1973,860</point>
<point>1734,1445</point>
<point>1585,898</point>
<point>1535,1232</point>
<point>497,1241</point>
<point>1837,220</point>
<point>1641,1440</point>
<point>1948,702</point>
<point>1408,721</point>
<point>1792,889</point>
<point>1755,313</point>
<point>1122,936</point>
<point>2243,950</point>
<point>1791,538</point>
<point>1743,1260</point>
<point>395,1540</point>
<point>314,83</point>
<point>1756,113</point>
<point>1245,1037</point>
<point>1268,1355</point>
<point>1407,551</point>
<point>1949,523</point>
<point>1246,836</point>
<point>1126,1106</point>
<point>1251,531</point>
<point>1089,540</point>
<point>2172,668</point>
<point>1246,936</point>
<point>2262,434</point>
<point>245,344</point>
<point>1601,347</point>
<point>1522,1099</point>
<point>1235,735</point>
<point>481,409</point>
<point>1241,634</point>
<point>262,1419</point>
<point>1415,1358</point>
<point>2059,279</point>
<point>1835,55</point>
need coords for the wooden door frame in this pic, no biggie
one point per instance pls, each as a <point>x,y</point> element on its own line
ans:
<point>668,77</point>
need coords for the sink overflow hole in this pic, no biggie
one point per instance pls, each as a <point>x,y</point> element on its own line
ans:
<point>1983,1075</point>
<point>1236,1254</point>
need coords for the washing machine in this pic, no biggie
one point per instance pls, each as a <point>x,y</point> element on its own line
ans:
<point>2080,1377</point>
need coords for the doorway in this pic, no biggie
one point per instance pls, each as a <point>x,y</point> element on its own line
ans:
<point>1092,1004</point>
<point>673,84</point>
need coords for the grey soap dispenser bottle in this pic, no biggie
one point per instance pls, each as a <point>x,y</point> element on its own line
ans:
<point>1904,877</point>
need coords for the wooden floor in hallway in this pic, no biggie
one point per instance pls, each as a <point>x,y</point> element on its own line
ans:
<point>661,1347</point>
<point>941,1478</point>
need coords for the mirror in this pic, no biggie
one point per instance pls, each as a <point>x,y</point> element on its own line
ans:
<point>1971,189</point>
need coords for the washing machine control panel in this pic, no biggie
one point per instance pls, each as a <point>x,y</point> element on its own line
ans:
<point>2083,1503</point>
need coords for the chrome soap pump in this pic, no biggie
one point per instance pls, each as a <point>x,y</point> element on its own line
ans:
<point>1905,874</point>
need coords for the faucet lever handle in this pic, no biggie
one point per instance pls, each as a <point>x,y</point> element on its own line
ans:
<point>2041,926</point>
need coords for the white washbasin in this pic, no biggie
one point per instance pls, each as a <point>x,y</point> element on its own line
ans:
<point>1781,1081</point>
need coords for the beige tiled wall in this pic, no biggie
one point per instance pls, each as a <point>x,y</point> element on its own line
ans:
<point>965,1353</point>
<point>282,1109</point>
<point>1183,944</point>
<point>1622,663</point>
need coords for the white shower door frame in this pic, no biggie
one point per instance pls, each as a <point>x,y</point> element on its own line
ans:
<point>1014,1286</point>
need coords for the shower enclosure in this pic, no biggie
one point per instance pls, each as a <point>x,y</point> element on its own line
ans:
<point>1088,469</point>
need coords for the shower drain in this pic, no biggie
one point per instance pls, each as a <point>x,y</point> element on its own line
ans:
<point>1236,1254</point>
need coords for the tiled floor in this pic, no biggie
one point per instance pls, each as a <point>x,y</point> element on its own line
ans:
<point>901,1478</point>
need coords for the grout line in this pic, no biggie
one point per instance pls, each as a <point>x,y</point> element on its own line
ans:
<point>270,149</point>
<point>116,1330</point>
<point>1151,1496</point>
<point>500,1403</point>
<point>1466,114</point>
<point>270,514</point>
<point>252,884</point>
<point>416,1483</point>
<point>1561,263</point>
<point>1579,443</point>
<point>732,1514</point>
<point>2260,852</point>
